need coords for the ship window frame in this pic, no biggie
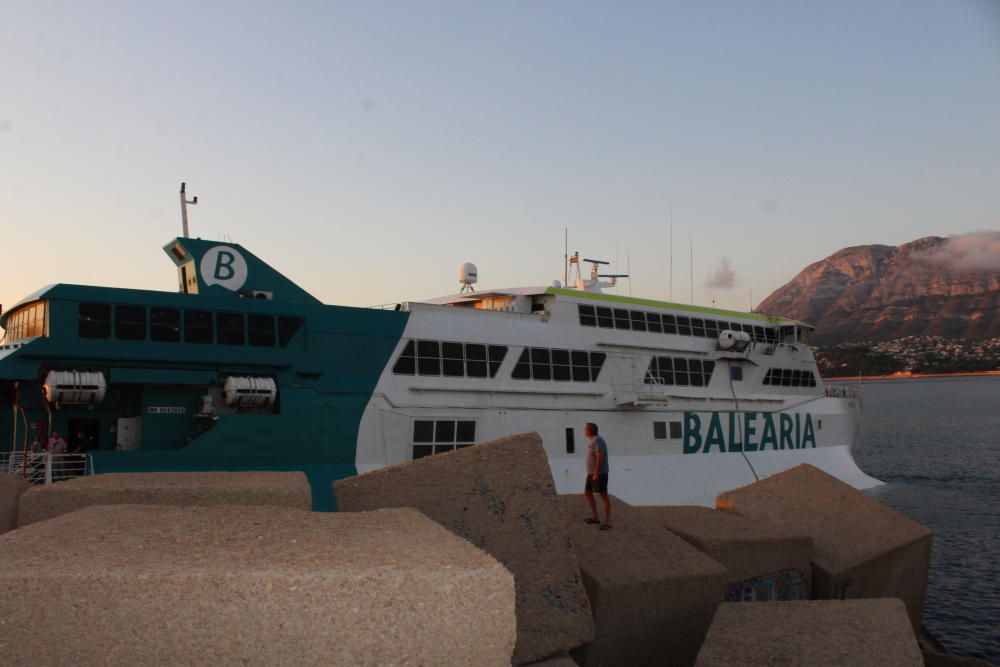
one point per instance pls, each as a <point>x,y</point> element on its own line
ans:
<point>406,363</point>
<point>199,333</point>
<point>288,328</point>
<point>587,315</point>
<point>683,325</point>
<point>660,430</point>
<point>623,321</point>
<point>638,320</point>
<point>670,323</point>
<point>676,431</point>
<point>437,436</point>
<point>605,319</point>
<point>654,323</point>
<point>30,320</point>
<point>130,322</point>
<point>260,336</point>
<point>452,361</point>
<point>230,328</point>
<point>94,325</point>
<point>698,327</point>
<point>164,330</point>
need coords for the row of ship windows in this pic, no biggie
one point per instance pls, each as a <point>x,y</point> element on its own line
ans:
<point>164,325</point>
<point>682,325</point>
<point>542,363</point>
<point>680,371</point>
<point>27,322</point>
<point>431,357</point>
<point>786,377</point>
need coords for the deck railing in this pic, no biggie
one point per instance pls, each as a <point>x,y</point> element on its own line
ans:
<point>842,391</point>
<point>45,468</point>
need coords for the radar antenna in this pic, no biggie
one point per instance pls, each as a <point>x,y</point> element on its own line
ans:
<point>184,204</point>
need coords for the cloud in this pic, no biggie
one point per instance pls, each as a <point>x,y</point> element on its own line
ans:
<point>966,253</point>
<point>724,276</point>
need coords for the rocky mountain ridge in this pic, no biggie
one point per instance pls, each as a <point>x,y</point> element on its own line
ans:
<point>933,286</point>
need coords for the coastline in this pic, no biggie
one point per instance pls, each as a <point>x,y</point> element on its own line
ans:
<point>911,376</point>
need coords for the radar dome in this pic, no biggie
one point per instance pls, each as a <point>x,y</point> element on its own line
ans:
<point>467,274</point>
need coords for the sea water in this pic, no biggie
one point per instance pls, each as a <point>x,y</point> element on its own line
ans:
<point>936,444</point>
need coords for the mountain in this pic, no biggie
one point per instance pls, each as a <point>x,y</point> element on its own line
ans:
<point>932,286</point>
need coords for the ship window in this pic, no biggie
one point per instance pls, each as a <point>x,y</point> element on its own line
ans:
<point>581,365</point>
<point>659,430</point>
<point>230,328</point>
<point>27,322</point>
<point>758,334</point>
<point>95,320</point>
<point>683,325</point>
<point>287,328</point>
<point>711,329</point>
<point>681,378</point>
<point>497,354</point>
<point>680,372</point>
<point>165,325</point>
<point>260,330</point>
<point>130,322</point>
<point>596,363</point>
<point>669,324</point>
<point>587,316</point>
<point>465,431</point>
<point>407,362</point>
<point>698,327</point>
<point>735,373</point>
<point>653,323</point>
<point>676,432</point>
<point>445,434</point>
<point>694,372</point>
<point>197,326</point>
<point>560,365</point>
<point>605,320</point>
<point>453,359</point>
<point>423,431</point>
<point>541,368</point>
<point>621,319</point>
<point>638,320</point>
<point>522,369</point>
<point>570,441</point>
<point>475,360</point>
<point>428,357</point>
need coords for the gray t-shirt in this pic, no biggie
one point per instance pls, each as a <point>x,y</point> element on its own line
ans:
<point>598,445</point>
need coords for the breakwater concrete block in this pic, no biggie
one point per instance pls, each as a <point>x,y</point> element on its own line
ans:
<point>652,593</point>
<point>500,496</point>
<point>765,561</point>
<point>860,633</point>
<point>285,489</point>
<point>861,548</point>
<point>12,487</point>
<point>243,585</point>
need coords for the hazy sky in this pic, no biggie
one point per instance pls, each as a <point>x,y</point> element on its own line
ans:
<point>366,149</point>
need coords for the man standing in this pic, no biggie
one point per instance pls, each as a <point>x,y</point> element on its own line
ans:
<point>597,476</point>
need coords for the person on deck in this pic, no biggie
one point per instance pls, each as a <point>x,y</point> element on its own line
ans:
<point>597,476</point>
<point>57,448</point>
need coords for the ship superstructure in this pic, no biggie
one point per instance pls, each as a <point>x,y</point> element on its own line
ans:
<point>242,369</point>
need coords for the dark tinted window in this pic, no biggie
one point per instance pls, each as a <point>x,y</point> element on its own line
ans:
<point>165,325</point>
<point>475,360</point>
<point>260,330</point>
<point>423,431</point>
<point>95,320</point>
<point>420,451</point>
<point>659,430</point>
<point>130,322</point>
<point>540,364</point>
<point>497,354</point>
<point>444,431</point>
<point>197,326</point>
<point>653,323</point>
<point>587,316</point>
<point>622,320</point>
<point>596,363</point>
<point>698,327</point>
<point>675,431</point>
<point>604,318</point>
<point>683,325</point>
<point>522,369</point>
<point>560,365</point>
<point>428,357</point>
<point>465,431</point>
<point>287,328</point>
<point>669,324</point>
<point>407,362</point>
<point>229,328</point>
<point>453,359</point>
<point>638,320</point>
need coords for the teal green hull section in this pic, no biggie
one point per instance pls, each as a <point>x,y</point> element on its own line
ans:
<point>325,371</point>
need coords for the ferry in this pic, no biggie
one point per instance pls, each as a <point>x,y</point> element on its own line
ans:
<point>242,369</point>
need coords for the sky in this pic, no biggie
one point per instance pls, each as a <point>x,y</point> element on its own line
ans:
<point>367,149</point>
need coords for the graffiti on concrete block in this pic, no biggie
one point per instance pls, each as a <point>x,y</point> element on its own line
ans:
<point>784,585</point>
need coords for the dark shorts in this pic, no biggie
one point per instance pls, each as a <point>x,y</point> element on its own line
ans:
<point>600,486</point>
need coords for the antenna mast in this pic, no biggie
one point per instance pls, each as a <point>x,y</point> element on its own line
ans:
<point>692,270</point>
<point>671,284</point>
<point>184,204</point>
<point>566,256</point>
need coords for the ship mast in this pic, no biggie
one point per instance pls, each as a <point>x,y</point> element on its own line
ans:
<point>184,211</point>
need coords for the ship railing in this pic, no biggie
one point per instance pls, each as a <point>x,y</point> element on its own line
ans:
<point>842,391</point>
<point>45,468</point>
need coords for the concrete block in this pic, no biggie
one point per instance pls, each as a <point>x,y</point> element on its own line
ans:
<point>810,633</point>
<point>244,585</point>
<point>12,487</point>
<point>765,561</point>
<point>861,548</point>
<point>652,593</point>
<point>285,489</point>
<point>500,496</point>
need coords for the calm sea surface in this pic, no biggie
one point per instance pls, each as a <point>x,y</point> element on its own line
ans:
<point>936,442</point>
